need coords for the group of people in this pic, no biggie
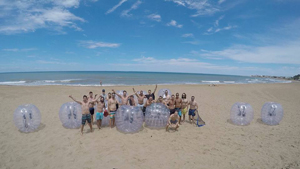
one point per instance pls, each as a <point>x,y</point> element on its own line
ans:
<point>108,105</point>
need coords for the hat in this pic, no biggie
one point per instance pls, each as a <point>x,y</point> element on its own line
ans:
<point>103,90</point>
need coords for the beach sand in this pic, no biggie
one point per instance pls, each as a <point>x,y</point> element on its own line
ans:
<point>218,144</point>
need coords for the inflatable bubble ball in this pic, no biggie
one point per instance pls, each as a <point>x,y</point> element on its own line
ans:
<point>105,121</point>
<point>157,116</point>
<point>161,92</point>
<point>271,113</point>
<point>27,118</point>
<point>241,113</point>
<point>70,115</point>
<point>129,119</point>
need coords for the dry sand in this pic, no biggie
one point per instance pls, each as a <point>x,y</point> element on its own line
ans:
<point>219,144</point>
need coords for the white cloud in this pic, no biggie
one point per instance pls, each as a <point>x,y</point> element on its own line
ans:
<point>93,44</point>
<point>202,7</point>
<point>195,42</point>
<point>287,53</point>
<point>133,7</point>
<point>174,23</point>
<point>115,7</point>
<point>221,1</point>
<point>19,50</point>
<point>210,29</point>
<point>67,3</point>
<point>28,16</point>
<point>218,20</point>
<point>225,28</point>
<point>155,17</point>
<point>55,62</point>
<point>188,35</point>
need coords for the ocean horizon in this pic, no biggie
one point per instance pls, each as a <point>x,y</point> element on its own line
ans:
<point>123,78</point>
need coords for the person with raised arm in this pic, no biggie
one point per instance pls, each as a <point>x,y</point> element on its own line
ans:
<point>140,98</point>
<point>92,104</point>
<point>151,94</point>
<point>124,97</point>
<point>86,116</point>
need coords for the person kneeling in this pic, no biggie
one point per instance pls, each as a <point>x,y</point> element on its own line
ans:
<point>173,121</point>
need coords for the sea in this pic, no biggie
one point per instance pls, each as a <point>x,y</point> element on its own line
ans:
<point>116,78</point>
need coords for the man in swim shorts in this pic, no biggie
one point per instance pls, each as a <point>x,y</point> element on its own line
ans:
<point>173,121</point>
<point>178,102</point>
<point>100,111</point>
<point>86,116</point>
<point>140,98</point>
<point>92,104</point>
<point>184,106</point>
<point>193,107</point>
<point>112,109</point>
<point>171,104</point>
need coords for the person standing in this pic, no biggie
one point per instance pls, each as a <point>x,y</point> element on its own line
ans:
<point>91,105</point>
<point>150,94</point>
<point>178,102</point>
<point>184,106</point>
<point>86,116</point>
<point>171,104</point>
<point>193,107</point>
<point>112,109</point>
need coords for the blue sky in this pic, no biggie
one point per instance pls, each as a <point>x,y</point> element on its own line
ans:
<point>241,37</point>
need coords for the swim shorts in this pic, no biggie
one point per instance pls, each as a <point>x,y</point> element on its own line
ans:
<point>173,122</point>
<point>92,110</point>
<point>172,111</point>
<point>179,111</point>
<point>192,112</point>
<point>99,115</point>
<point>86,117</point>
<point>112,114</point>
<point>183,111</point>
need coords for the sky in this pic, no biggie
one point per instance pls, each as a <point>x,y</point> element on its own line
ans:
<point>235,37</point>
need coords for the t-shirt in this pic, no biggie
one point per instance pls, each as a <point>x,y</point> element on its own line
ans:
<point>152,95</point>
<point>104,96</point>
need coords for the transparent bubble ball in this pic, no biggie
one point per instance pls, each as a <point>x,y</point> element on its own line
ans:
<point>241,113</point>
<point>129,119</point>
<point>161,92</point>
<point>27,118</point>
<point>157,116</point>
<point>70,115</point>
<point>271,113</point>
